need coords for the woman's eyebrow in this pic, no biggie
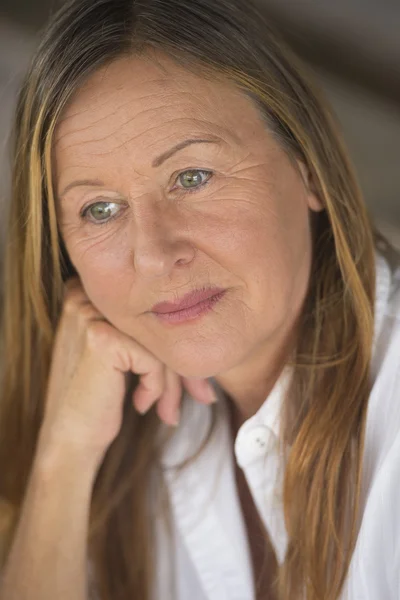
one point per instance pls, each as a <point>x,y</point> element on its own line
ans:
<point>156,162</point>
<point>163,157</point>
<point>81,183</point>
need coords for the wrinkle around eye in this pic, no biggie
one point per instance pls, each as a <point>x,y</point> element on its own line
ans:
<point>79,245</point>
<point>78,230</point>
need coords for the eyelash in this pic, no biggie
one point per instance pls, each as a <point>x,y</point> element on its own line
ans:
<point>85,210</point>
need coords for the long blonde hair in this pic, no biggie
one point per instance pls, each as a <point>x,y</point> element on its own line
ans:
<point>325,409</point>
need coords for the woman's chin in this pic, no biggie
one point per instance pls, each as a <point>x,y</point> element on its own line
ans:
<point>201,367</point>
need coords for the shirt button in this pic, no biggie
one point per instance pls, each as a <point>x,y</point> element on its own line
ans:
<point>255,443</point>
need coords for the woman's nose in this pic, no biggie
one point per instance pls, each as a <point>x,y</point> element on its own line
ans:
<point>159,242</point>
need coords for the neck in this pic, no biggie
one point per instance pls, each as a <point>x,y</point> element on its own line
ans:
<point>248,385</point>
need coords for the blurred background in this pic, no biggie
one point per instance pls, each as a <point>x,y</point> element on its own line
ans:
<point>352,48</point>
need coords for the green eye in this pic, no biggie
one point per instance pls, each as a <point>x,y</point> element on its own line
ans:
<point>194,178</point>
<point>99,212</point>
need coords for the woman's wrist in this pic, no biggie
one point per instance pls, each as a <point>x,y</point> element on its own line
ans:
<point>65,458</point>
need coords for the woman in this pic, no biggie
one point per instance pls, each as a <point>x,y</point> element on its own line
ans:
<point>185,227</point>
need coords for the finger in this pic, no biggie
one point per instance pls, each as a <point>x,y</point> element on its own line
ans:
<point>150,388</point>
<point>87,312</point>
<point>74,297</point>
<point>201,389</point>
<point>168,406</point>
<point>77,306</point>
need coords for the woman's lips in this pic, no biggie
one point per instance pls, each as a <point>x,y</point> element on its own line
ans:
<point>187,301</point>
<point>191,312</point>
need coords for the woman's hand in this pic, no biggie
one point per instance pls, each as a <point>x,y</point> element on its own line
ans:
<point>87,379</point>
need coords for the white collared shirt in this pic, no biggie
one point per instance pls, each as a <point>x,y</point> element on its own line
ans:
<point>209,557</point>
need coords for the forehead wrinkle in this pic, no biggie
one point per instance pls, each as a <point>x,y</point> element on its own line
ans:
<point>175,89</point>
<point>104,138</point>
<point>88,109</point>
<point>166,95</point>
<point>82,111</point>
<point>81,129</point>
<point>66,116</point>
<point>132,139</point>
<point>96,122</point>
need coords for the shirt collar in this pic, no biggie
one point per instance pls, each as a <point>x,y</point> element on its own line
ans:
<point>268,415</point>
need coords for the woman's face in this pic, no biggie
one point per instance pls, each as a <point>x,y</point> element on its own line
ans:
<point>231,211</point>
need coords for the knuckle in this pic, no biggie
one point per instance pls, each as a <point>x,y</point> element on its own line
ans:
<point>86,313</point>
<point>76,305</point>
<point>159,387</point>
<point>97,334</point>
<point>153,381</point>
<point>70,305</point>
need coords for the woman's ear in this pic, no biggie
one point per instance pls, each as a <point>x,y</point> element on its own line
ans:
<point>313,200</point>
